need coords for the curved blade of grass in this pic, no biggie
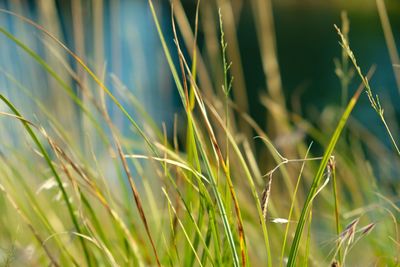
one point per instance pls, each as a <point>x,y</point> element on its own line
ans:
<point>292,206</point>
<point>203,154</point>
<point>95,191</point>
<point>34,205</point>
<point>176,78</point>
<point>105,89</point>
<point>318,177</point>
<point>85,67</point>
<point>129,98</point>
<point>101,85</point>
<point>30,226</point>
<point>42,107</point>
<point>54,172</point>
<point>205,199</point>
<point>94,77</point>
<point>191,148</point>
<point>250,180</point>
<point>219,158</point>
<point>132,183</point>
<point>63,84</point>
<point>182,226</point>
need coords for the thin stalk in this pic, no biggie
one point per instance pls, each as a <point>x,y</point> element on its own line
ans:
<point>292,207</point>
<point>56,176</point>
<point>336,198</point>
<point>250,180</point>
<point>61,82</point>
<point>307,253</point>
<point>318,177</point>
<point>202,150</point>
<point>374,100</point>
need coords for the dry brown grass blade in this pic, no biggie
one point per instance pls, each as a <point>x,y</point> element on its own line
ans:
<point>94,190</point>
<point>265,197</point>
<point>132,184</point>
<point>208,126</point>
<point>210,131</point>
<point>104,88</point>
<point>79,170</point>
<point>231,188</point>
<point>80,62</point>
<point>214,142</point>
<point>18,117</point>
<point>190,40</point>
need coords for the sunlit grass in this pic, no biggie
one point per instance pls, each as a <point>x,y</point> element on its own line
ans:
<point>217,191</point>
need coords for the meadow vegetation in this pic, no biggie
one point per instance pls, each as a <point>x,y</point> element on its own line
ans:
<point>89,178</point>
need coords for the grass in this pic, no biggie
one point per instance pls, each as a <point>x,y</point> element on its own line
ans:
<point>78,188</point>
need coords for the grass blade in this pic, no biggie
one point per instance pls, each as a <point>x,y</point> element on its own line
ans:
<point>318,177</point>
<point>55,173</point>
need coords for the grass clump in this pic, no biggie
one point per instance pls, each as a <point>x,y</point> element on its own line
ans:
<point>95,193</point>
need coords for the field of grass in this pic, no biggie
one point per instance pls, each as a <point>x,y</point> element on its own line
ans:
<point>88,177</point>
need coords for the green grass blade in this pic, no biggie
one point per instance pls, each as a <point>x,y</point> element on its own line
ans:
<point>318,177</point>
<point>250,180</point>
<point>62,83</point>
<point>292,207</point>
<point>55,173</point>
<point>220,203</point>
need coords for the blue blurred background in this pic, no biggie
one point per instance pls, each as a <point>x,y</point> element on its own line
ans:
<point>118,39</point>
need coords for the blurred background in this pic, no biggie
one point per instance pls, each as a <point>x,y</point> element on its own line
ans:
<point>118,39</point>
<point>286,64</point>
